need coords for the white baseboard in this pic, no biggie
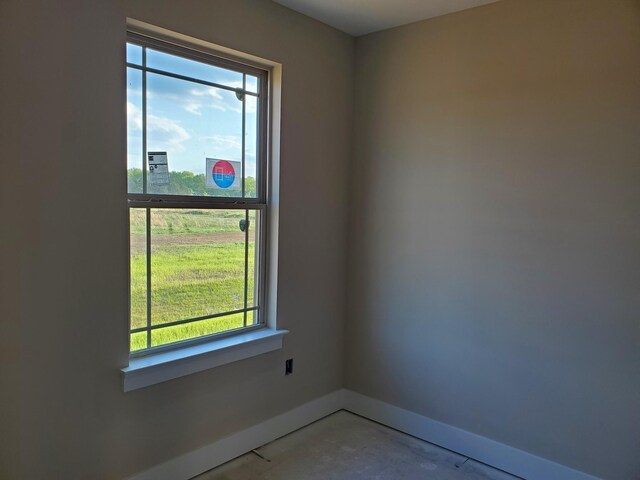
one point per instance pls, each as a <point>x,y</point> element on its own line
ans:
<point>482,449</point>
<point>194,463</point>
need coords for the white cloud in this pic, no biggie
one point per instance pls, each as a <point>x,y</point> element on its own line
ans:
<point>193,107</point>
<point>212,98</point>
<point>194,100</point>
<point>134,116</point>
<point>225,141</point>
<point>166,134</point>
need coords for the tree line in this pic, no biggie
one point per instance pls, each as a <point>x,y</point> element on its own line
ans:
<point>184,183</point>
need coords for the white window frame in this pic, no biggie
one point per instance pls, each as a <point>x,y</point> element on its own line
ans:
<point>156,364</point>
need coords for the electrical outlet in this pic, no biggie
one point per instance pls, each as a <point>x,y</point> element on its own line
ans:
<point>288,366</point>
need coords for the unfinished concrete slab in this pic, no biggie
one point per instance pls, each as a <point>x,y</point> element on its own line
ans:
<point>344,446</point>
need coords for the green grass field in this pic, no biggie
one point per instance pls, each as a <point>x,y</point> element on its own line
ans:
<point>197,269</point>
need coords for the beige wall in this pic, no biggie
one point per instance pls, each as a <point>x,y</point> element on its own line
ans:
<point>494,268</point>
<point>63,104</point>
<point>495,249</point>
<point>9,269</point>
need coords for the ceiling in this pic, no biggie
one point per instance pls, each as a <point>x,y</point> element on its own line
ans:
<point>358,17</point>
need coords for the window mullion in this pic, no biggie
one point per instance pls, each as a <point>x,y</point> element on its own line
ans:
<point>144,120</point>
<point>246,263</point>
<point>244,121</point>
<point>260,261</point>
<point>144,201</point>
<point>244,194</point>
<point>148,246</point>
<point>263,173</point>
<point>190,79</point>
<point>145,190</point>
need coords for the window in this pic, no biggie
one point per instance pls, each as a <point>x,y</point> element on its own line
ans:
<point>197,194</point>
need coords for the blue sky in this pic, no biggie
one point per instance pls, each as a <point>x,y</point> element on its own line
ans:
<point>188,120</point>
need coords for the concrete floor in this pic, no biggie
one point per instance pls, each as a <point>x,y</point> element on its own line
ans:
<point>344,446</point>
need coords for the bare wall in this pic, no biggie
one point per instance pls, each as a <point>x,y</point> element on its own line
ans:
<point>64,116</point>
<point>495,247</point>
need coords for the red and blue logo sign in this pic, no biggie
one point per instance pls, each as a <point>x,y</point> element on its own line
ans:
<point>223,174</point>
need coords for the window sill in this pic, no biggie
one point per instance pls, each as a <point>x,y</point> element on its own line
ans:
<point>163,366</point>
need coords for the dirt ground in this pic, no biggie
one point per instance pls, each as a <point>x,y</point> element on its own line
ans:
<point>138,242</point>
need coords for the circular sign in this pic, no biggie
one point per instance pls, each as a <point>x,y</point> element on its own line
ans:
<point>223,174</point>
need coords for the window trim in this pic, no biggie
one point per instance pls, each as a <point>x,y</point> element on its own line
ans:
<point>261,203</point>
<point>166,365</point>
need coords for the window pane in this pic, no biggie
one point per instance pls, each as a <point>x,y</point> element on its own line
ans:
<point>197,263</point>
<point>138,341</point>
<point>252,259</point>
<point>185,138</point>
<point>251,146</point>
<point>134,130</point>
<point>138,267</point>
<point>200,130</point>
<point>176,333</point>
<point>252,84</point>
<point>134,54</point>
<point>194,69</point>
